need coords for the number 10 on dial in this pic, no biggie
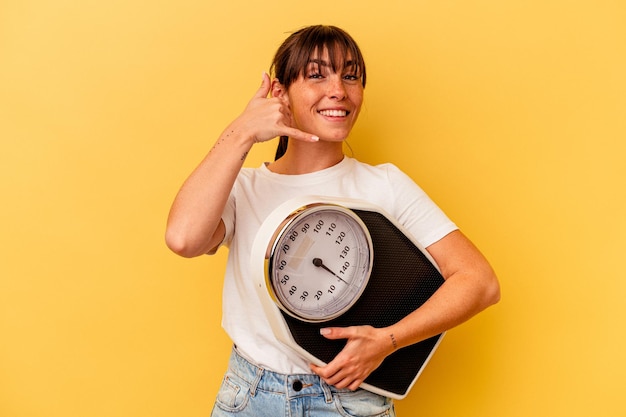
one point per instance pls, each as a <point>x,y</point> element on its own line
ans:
<point>320,262</point>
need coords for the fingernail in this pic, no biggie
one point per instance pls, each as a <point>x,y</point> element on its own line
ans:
<point>324,331</point>
<point>315,138</point>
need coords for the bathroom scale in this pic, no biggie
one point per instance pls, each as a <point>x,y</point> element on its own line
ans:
<point>333,262</point>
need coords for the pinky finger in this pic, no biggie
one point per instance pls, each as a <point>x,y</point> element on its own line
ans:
<point>355,385</point>
<point>300,135</point>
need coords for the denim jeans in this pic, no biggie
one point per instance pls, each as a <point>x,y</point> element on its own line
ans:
<point>250,391</point>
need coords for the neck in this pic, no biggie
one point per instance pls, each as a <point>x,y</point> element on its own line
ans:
<point>304,158</point>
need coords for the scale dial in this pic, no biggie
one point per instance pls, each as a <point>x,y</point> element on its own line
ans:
<point>319,262</point>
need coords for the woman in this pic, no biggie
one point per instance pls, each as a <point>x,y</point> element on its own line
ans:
<point>314,101</point>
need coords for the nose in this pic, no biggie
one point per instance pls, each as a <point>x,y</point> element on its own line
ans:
<point>336,88</point>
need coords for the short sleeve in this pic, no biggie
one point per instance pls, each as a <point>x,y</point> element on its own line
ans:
<point>416,211</point>
<point>228,217</point>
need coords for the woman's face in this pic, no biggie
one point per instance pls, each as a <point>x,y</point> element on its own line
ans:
<point>324,102</point>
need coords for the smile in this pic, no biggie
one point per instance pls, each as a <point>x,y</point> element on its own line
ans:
<point>333,113</point>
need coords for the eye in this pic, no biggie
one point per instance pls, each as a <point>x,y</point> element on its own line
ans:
<point>351,78</point>
<point>314,75</point>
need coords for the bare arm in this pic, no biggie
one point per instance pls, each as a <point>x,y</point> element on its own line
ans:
<point>194,225</point>
<point>470,286</point>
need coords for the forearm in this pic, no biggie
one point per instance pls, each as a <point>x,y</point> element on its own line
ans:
<point>470,286</point>
<point>457,300</point>
<point>197,209</point>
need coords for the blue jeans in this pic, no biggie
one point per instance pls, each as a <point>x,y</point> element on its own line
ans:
<point>250,391</point>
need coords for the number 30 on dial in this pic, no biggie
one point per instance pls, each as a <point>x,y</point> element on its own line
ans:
<point>320,262</point>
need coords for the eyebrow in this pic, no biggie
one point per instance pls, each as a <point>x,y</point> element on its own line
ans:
<point>324,63</point>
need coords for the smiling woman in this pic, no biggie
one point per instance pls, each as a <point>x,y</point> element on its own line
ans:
<point>324,100</point>
<point>316,95</point>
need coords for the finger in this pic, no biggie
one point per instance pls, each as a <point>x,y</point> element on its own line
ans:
<point>346,382</point>
<point>337,377</point>
<point>290,131</point>
<point>355,385</point>
<point>299,135</point>
<point>265,87</point>
<point>335,333</point>
<point>342,380</point>
<point>325,372</point>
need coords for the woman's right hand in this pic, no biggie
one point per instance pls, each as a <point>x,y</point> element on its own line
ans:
<point>194,225</point>
<point>266,118</point>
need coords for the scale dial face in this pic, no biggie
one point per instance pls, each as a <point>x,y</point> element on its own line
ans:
<point>319,262</point>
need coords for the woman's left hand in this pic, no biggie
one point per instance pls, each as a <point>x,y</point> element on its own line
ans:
<point>364,351</point>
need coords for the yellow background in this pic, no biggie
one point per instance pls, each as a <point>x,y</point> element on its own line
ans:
<point>511,115</point>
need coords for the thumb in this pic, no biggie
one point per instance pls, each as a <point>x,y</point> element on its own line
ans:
<point>334,333</point>
<point>265,87</point>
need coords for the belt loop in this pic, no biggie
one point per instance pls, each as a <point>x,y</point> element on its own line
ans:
<point>257,379</point>
<point>328,395</point>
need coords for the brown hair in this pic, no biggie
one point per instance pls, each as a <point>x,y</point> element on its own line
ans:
<point>294,55</point>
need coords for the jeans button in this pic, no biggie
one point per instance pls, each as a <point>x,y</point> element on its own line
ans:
<point>297,386</point>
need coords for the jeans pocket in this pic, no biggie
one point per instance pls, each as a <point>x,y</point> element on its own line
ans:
<point>233,394</point>
<point>362,403</point>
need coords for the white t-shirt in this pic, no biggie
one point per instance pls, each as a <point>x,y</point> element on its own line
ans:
<point>257,192</point>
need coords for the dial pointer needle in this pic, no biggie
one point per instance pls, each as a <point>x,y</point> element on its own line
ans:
<point>319,263</point>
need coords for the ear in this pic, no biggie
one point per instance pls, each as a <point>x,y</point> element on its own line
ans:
<point>278,90</point>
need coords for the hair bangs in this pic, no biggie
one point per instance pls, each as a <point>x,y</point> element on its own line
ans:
<point>305,45</point>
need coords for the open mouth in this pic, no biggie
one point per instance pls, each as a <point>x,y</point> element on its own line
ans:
<point>334,113</point>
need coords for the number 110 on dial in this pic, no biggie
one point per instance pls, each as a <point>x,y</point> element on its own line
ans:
<point>320,262</point>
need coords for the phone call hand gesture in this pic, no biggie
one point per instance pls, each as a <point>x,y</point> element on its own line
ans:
<point>269,117</point>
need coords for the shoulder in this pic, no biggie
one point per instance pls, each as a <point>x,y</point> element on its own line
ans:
<point>387,173</point>
<point>386,169</point>
<point>247,174</point>
<point>250,171</point>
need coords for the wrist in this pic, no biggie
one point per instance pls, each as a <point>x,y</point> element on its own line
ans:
<point>237,137</point>
<point>394,342</point>
<point>394,337</point>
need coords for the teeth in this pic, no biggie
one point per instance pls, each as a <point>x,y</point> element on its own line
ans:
<point>333,113</point>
